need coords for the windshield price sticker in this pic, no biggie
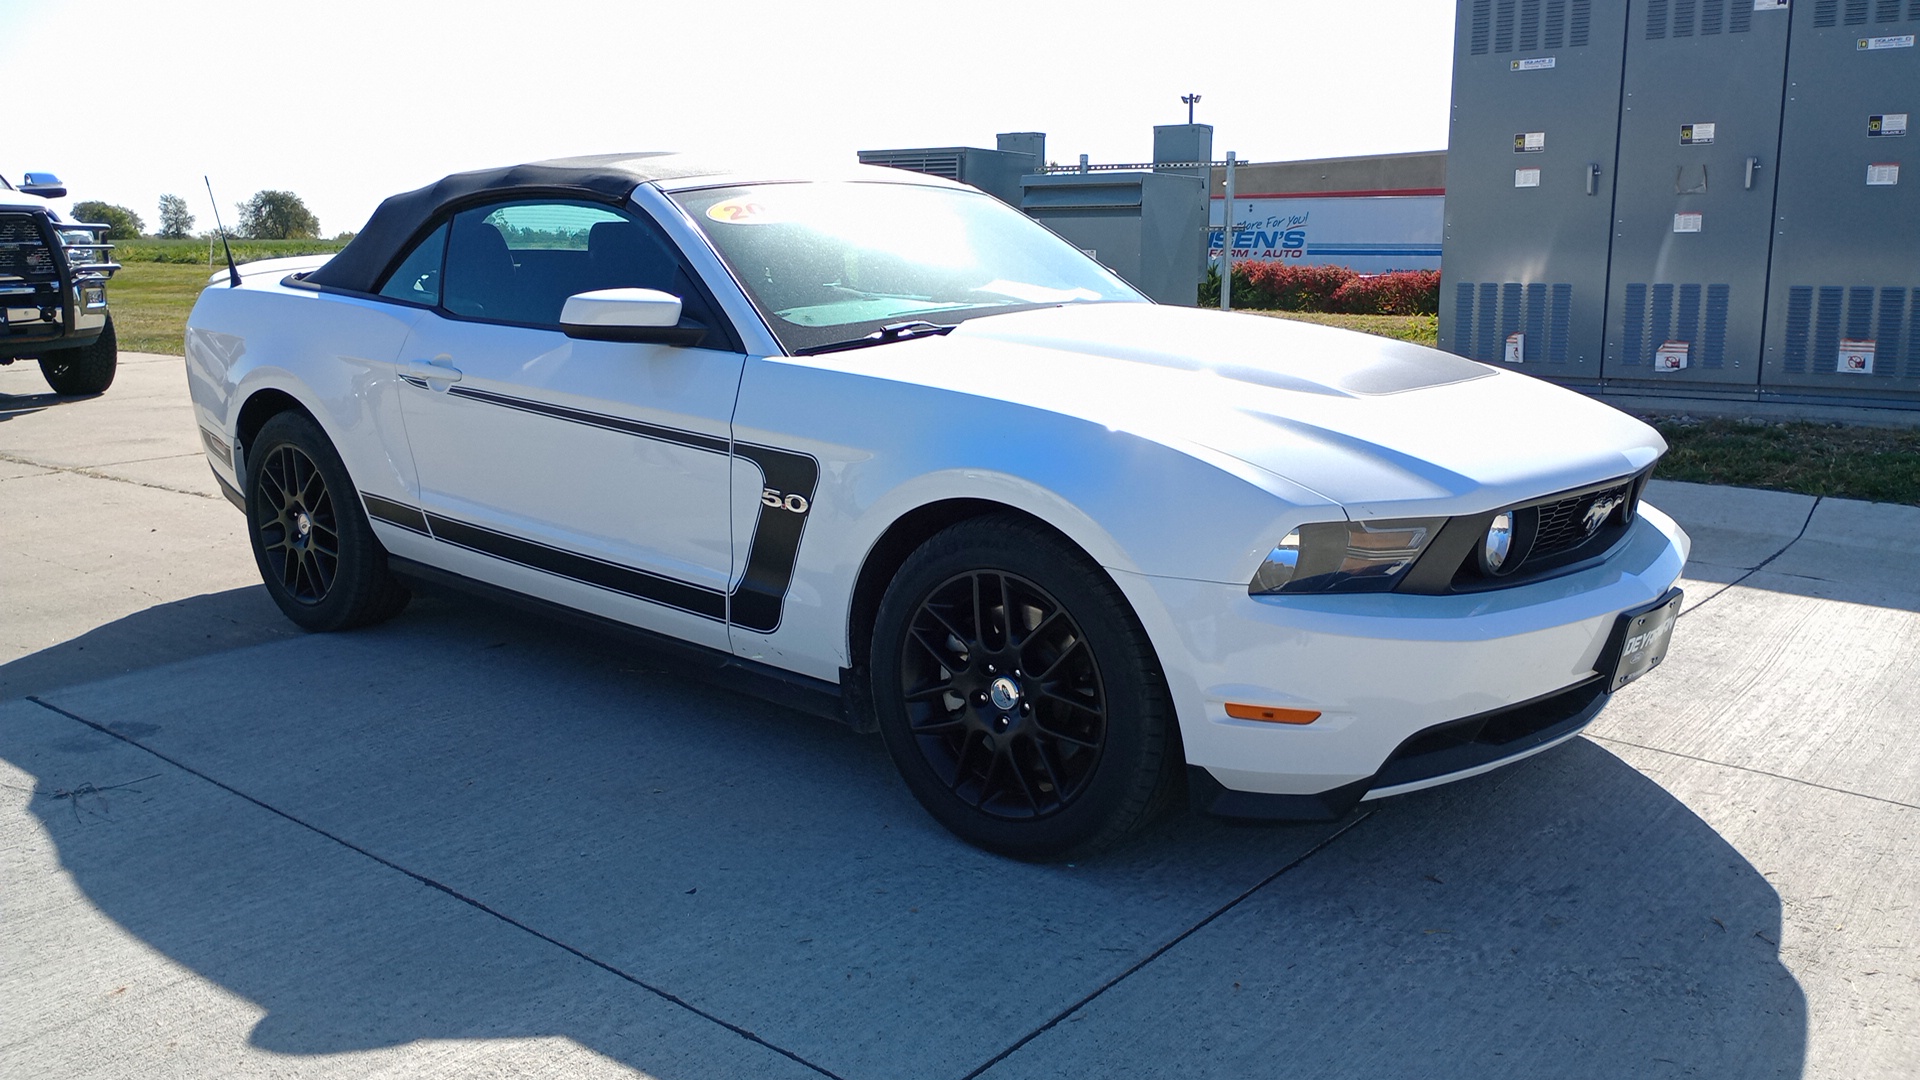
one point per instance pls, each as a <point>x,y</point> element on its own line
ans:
<point>1887,125</point>
<point>743,211</point>
<point>1696,134</point>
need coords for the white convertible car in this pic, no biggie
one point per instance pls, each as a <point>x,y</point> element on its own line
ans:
<point>879,444</point>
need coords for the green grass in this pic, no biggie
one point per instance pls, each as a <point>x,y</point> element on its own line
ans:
<point>1419,329</point>
<point>149,249</point>
<point>1881,465</point>
<point>150,302</point>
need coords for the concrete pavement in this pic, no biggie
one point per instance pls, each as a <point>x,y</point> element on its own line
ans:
<point>465,843</point>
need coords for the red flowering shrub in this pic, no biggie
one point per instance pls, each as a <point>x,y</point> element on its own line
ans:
<point>1401,292</point>
<point>1279,286</point>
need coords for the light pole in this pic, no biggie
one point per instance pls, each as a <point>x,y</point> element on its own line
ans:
<point>1190,100</point>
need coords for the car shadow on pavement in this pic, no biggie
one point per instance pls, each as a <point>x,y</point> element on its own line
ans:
<point>1562,917</point>
<point>163,634</point>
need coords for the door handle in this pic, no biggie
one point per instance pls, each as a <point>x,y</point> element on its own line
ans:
<point>438,370</point>
<point>1753,166</point>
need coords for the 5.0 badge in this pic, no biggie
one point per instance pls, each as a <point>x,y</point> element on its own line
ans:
<point>794,503</point>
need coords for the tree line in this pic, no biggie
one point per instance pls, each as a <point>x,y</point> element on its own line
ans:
<point>268,215</point>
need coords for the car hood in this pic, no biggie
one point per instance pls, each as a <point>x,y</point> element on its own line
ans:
<point>1385,428</point>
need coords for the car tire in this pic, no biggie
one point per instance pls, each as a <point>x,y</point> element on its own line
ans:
<point>317,555</point>
<point>1018,695</point>
<point>88,369</point>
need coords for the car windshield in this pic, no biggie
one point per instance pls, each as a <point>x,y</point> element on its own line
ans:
<point>832,262</point>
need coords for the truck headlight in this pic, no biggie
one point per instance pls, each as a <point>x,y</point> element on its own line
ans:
<point>1344,556</point>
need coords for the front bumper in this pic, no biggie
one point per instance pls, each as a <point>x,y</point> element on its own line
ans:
<point>1412,690</point>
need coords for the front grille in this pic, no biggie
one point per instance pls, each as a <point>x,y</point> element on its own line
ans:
<point>1563,524</point>
<point>24,254</point>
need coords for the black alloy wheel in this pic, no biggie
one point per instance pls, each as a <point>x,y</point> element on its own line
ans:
<point>1018,695</point>
<point>316,552</point>
<point>297,528</point>
<point>1003,695</point>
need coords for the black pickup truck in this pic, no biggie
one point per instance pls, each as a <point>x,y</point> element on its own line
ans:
<point>53,289</point>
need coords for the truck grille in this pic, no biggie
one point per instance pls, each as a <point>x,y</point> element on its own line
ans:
<point>24,254</point>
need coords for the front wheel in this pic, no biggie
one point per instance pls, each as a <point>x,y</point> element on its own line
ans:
<point>1018,695</point>
<point>88,369</point>
<point>317,555</point>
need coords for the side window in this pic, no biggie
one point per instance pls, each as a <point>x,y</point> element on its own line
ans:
<point>417,278</point>
<point>520,261</point>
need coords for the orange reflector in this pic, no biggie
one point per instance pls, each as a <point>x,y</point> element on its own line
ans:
<point>1271,715</point>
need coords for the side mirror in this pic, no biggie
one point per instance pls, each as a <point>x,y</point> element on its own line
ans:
<point>642,315</point>
<point>44,184</point>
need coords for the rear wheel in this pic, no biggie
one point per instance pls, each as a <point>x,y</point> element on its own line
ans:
<point>317,555</point>
<point>88,369</point>
<point>1017,693</point>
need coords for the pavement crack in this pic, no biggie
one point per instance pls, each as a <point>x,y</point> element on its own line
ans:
<point>92,472</point>
<point>1751,769</point>
<point>1715,594</point>
<point>1066,1014</point>
<point>478,905</point>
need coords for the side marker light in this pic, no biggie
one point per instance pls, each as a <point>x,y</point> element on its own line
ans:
<point>1271,715</point>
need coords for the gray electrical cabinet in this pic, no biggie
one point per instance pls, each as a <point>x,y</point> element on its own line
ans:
<point>1843,312</point>
<point>1148,227</point>
<point>1536,90</point>
<point>1693,195</point>
<point>1705,197</point>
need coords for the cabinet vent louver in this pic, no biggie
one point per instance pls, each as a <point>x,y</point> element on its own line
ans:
<point>1504,26</point>
<point>1663,312</point>
<point>1825,12</point>
<point>1817,318</point>
<point>1485,313</point>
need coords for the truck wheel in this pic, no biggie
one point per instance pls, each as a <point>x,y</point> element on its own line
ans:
<point>1018,695</point>
<point>316,553</point>
<point>88,369</point>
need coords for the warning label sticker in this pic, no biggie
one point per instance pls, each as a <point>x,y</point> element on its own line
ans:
<point>1875,44</point>
<point>1542,63</point>
<point>1526,178</point>
<point>1686,222</point>
<point>1883,174</point>
<point>1529,142</point>
<point>1696,134</point>
<point>1769,5</point>
<point>1856,357</point>
<point>1887,124</point>
<point>1516,351</point>
<point>1670,356</point>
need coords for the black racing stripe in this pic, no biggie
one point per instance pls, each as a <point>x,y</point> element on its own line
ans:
<point>705,602</point>
<point>394,513</point>
<point>694,439</point>
<point>758,600</point>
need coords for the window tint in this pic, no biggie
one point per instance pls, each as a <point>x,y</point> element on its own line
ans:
<point>519,262</point>
<point>417,278</point>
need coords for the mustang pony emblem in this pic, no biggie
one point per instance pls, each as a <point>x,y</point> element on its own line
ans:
<point>1600,511</point>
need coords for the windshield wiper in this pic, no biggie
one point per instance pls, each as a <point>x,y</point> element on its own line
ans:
<point>891,332</point>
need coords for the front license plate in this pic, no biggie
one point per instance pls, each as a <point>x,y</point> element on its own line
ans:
<point>1642,638</point>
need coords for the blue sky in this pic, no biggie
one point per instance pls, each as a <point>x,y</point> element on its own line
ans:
<point>347,101</point>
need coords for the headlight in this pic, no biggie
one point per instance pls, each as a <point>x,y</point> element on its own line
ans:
<point>1344,556</point>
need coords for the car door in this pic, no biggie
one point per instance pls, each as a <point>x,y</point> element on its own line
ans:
<point>591,473</point>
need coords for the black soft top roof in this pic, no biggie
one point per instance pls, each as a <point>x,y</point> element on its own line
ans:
<point>608,178</point>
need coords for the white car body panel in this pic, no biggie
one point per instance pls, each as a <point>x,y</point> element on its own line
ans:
<point>1175,447</point>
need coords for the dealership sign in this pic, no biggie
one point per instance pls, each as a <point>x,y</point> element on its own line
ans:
<point>1369,233</point>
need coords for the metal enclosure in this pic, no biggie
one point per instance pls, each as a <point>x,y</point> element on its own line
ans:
<point>1843,311</point>
<point>1148,227</point>
<point>1536,93</point>
<point>1753,228</point>
<point>1693,195</point>
<point>996,172</point>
